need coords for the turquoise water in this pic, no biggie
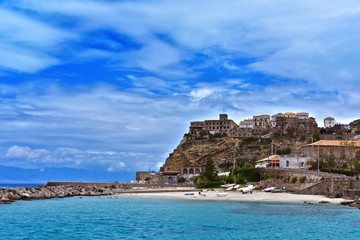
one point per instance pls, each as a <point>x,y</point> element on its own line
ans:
<point>16,185</point>
<point>130,218</point>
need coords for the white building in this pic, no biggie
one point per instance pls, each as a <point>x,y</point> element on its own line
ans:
<point>293,161</point>
<point>329,122</point>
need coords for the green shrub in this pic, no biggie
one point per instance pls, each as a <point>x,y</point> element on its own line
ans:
<point>340,171</point>
<point>302,179</point>
<point>294,180</point>
<point>240,179</point>
<point>181,180</point>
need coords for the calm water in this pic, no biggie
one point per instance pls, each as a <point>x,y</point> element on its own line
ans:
<point>15,185</point>
<point>129,218</point>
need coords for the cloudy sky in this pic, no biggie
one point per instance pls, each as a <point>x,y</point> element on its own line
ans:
<point>95,90</point>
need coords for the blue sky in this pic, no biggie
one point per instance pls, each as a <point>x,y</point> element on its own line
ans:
<point>95,90</point>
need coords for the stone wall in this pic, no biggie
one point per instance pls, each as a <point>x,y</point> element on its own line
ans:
<point>329,187</point>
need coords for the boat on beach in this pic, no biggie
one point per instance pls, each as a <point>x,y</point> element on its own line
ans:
<point>221,194</point>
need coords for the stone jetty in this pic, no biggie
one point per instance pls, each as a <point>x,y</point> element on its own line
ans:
<point>69,189</point>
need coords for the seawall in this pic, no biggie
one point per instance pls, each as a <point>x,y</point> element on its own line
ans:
<point>70,189</point>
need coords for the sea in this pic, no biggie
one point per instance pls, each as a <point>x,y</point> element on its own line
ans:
<point>16,185</point>
<point>141,218</point>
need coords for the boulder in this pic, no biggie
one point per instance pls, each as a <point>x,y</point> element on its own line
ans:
<point>5,201</point>
<point>25,196</point>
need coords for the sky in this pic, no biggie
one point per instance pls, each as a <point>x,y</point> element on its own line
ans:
<point>96,90</point>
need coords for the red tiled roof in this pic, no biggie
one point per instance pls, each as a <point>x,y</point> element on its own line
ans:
<point>335,143</point>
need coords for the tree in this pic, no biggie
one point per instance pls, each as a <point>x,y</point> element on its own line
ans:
<point>181,180</point>
<point>316,137</point>
<point>210,172</point>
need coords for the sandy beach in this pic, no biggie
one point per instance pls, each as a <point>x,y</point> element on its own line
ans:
<point>256,196</point>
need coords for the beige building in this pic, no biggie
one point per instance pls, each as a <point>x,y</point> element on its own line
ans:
<point>302,115</point>
<point>262,121</point>
<point>223,125</point>
<point>290,115</point>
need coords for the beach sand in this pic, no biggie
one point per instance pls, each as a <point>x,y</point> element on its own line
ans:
<point>256,196</point>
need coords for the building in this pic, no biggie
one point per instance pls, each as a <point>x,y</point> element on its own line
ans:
<point>355,127</point>
<point>145,175</point>
<point>294,161</point>
<point>302,115</point>
<point>247,123</point>
<point>268,162</point>
<point>223,125</point>
<point>261,121</point>
<point>273,119</point>
<point>341,154</point>
<point>329,122</point>
<point>295,127</point>
<point>189,172</point>
<point>290,115</point>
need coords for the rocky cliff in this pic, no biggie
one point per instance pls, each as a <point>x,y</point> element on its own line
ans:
<point>223,150</point>
<point>193,153</point>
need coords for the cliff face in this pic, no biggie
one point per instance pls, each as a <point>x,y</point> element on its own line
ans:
<point>195,152</point>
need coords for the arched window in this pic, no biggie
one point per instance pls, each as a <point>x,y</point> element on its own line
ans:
<point>191,171</point>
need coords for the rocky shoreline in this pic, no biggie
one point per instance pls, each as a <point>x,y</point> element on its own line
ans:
<point>9,195</point>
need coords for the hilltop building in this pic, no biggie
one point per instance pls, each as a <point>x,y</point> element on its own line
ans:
<point>355,126</point>
<point>329,122</point>
<point>290,115</point>
<point>223,125</point>
<point>247,123</point>
<point>274,117</point>
<point>261,121</point>
<point>302,115</point>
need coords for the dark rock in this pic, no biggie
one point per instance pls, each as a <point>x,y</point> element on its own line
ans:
<point>347,202</point>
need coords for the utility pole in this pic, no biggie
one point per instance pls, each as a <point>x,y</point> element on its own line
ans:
<point>234,161</point>
<point>318,160</point>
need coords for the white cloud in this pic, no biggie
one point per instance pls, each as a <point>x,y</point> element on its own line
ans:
<point>117,167</point>
<point>28,45</point>
<point>26,157</point>
<point>201,93</point>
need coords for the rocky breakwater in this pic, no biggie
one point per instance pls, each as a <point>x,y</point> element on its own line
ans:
<point>9,195</point>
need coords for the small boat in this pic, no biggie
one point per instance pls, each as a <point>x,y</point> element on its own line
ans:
<point>277,191</point>
<point>229,188</point>
<point>188,194</point>
<point>247,189</point>
<point>269,189</point>
<point>221,194</point>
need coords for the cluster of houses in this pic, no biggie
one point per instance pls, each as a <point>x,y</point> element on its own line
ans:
<point>339,143</point>
<point>224,125</point>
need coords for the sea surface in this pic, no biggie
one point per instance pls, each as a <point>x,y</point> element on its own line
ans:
<point>16,185</point>
<point>138,218</point>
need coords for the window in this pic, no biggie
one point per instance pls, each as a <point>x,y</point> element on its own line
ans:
<point>302,164</point>
<point>287,163</point>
